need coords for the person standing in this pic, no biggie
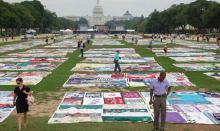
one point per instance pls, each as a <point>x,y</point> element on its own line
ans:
<point>207,38</point>
<point>132,40</point>
<point>159,90</point>
<point>218,42</point>
<point>136,41</point>
<point>47,40</point>
<point>116,61</point>
<point>54,39</point>
<point>161,38</point>
<point>81,47</point>
<point>197,38</point>
<point>171,39</point>
<point>150,44</point>
<point>165,49</point>
<point>87,41</point>
<point>123,37</point>
<point>21,93</point>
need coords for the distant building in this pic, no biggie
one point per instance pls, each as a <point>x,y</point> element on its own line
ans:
<point>126,16</point>
<point>98,17</point>
<point>83,28</point>
<point>120,28</point>
<point>73,18</point>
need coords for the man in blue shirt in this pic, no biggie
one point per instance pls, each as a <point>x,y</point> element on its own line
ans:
<point>159,90</point>
<point>116,61</point>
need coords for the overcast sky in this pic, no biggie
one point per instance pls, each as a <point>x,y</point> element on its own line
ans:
<point>111,7</point>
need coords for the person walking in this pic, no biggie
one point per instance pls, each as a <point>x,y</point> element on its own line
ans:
<point>21,93</point>
<point>116,61</point>
<point>159,90</point>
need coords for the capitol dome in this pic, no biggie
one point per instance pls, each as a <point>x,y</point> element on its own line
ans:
<point>128,15</point>
<point>98,10</point>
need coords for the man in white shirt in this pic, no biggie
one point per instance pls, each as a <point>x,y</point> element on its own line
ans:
<point>159,90</point>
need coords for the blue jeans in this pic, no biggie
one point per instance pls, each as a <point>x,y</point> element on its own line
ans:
<point>117,66</point>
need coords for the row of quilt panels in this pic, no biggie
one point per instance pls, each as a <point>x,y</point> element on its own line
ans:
<point>145,42</point>
<point>63,44</point>
<point>199,66</point>
<point>99,107</point>
<point>102,42</point>
<point>28,55</point>
<point>30,78</point>
<point>207,46</point>
<point>27,66</point>
<point>124,60</point>
<point>130,55</point>
<point>42,53</point>
<point>45,50</point>
<point>88,67</point>
<point>124,80</point>
<point>177,50</point>
<point>186,54</point>
<point>33,60</point>
<point>197,59</point>
<point>23,45</point>
<point>6,104</point>
<point>133,106</point>
<point>110,52</point>
<point>100,36</point>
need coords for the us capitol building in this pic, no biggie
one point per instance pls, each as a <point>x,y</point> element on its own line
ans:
<point>98,17</point>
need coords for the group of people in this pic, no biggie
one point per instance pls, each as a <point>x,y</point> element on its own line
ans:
<point>162,37</point>
<point>134,40</point>
<point>52,38</point>
<point>5,38</point>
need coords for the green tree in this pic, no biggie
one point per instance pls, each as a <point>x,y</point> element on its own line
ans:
<point>212,16</point>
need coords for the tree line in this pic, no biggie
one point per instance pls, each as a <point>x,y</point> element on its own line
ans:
<point>201,15</point>
<point>17,17</point>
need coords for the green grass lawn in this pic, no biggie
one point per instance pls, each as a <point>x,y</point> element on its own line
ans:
<point>53,84</point>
